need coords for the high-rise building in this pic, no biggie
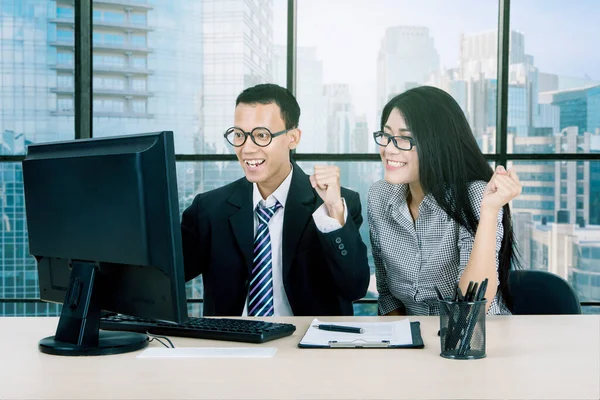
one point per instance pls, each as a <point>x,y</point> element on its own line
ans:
<point>360,137</point>
<point>585,273</point>
<point>237,45</point>
<point>151,71</point>
<point>309,94</point>
<point>568,250</point>
<point>479,53</point>
<point>578,107</point>
<point>29,101</point>
<point>147,68</point>
<point>550,186</point>
<point>407,57</point>
<point>553,82</point>
<point>340,117</point>
<point>18,272</point>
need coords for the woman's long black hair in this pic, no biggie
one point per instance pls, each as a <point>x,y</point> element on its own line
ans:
<point>449,160</point>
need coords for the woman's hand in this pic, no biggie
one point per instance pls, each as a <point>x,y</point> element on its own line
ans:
<point>502,188</point>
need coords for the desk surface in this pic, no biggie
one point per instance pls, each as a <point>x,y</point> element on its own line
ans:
<point>529,357</point>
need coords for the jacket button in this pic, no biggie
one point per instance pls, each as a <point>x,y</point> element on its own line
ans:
<point>344,252</point>
<point>338,240</point>
<point>341,246</point>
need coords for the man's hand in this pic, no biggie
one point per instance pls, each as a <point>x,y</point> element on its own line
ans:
<point>326,181</point>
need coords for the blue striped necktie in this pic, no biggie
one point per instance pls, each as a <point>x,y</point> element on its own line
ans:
<point>260,295</point>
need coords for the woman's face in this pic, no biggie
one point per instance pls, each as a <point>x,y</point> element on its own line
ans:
<point>400,166</point>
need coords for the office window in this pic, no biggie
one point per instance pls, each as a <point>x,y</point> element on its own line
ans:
<point>65,58</point>
<point>65,12</point>
<point>537,223</point>
<point>139,85</point>
<point>138,40</point>
<point>138,62</point>
<point>30,112</point>
<point>113,16</point>
<point>347,72</point>
<point>65,81</point>
<point>64,35</point>
<point>109,105</point>
<point>139,106</point>
<point>562,95</point>
<point>108,38</point>
<point>138,19</point>
<point>65,104</point>
<point>203,50</point>
<point>109,82</point>
<point>109,60</point>
<point>108,16</point>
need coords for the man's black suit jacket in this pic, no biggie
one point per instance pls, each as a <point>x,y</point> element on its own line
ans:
<point>322,272</point>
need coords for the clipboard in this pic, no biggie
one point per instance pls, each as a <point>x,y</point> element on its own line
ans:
<point>354,342</point>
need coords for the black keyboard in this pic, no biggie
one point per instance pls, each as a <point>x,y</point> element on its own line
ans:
<point>236,330</point>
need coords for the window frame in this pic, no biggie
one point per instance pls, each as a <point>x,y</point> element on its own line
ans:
<point>83,101</point>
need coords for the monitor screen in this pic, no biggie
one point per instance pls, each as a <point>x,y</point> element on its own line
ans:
<point>103,222</point>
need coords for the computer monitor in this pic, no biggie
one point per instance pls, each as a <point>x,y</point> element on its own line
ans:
<point>103,221</point>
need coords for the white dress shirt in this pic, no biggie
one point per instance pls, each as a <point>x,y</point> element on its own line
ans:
<point>325,224</point>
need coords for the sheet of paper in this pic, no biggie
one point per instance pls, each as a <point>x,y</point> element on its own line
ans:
<point>397,333</point>
<point>208,352</point>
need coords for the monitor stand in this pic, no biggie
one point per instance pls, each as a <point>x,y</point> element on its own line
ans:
<point>78,332</point>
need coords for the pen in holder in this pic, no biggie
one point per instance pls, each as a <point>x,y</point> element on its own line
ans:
<point>462,329</point>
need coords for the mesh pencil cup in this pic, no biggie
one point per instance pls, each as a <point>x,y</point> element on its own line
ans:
<point>462,329</point>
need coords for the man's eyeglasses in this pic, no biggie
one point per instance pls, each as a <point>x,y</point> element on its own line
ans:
<point>401,142</point>
<point>260,136</point>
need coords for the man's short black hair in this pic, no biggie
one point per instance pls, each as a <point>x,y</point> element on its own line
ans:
<point>267,93</point>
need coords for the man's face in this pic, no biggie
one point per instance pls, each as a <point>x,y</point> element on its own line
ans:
<point>264,165</point>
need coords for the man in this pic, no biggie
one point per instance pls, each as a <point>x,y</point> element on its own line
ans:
<point>276,242</point>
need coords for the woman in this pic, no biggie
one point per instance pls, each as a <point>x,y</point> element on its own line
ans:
<point>440,216</point>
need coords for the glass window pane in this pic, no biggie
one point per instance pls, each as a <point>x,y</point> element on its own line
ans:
<point>546,221</point>
<point>64,11</point>
<point>18,272</point>
<point>185,77</point>
<point>397,45</point>
<point>554,91</point>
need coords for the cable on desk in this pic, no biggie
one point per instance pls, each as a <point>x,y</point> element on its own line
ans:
<point>158,337</point>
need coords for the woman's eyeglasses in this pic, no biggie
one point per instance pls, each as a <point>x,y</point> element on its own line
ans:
<point>401,142</point>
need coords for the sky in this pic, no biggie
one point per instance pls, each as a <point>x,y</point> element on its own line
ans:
<point>561,35</point>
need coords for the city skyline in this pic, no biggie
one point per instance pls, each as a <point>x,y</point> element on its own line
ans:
<point>149,76</point>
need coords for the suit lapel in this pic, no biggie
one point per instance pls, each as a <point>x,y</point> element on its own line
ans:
<point>299,207</point>
<point>242,220</point>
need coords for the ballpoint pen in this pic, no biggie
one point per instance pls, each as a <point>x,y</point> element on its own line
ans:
<point>339,328</point>
<point>471,320</point>
<point>474,292</point>
<point>468,292</point>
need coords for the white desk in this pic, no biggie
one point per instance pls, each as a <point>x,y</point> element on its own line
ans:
<point>538,357</point>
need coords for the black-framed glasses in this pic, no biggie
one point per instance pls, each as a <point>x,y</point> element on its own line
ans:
<point>401,142</point>
<point>260,136</point>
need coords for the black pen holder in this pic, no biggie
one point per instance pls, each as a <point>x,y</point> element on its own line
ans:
<point>462,329</point>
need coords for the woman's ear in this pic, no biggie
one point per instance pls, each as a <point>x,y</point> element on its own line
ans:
<point>294,137</point>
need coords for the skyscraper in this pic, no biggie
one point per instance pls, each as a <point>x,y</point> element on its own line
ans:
<point>407,57</point>
<point>149,61</point>
<point>340,117</point>
<point>237,43</point>
<point>309,93</point>
<point>578,107</point>
<point>550,186</point>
